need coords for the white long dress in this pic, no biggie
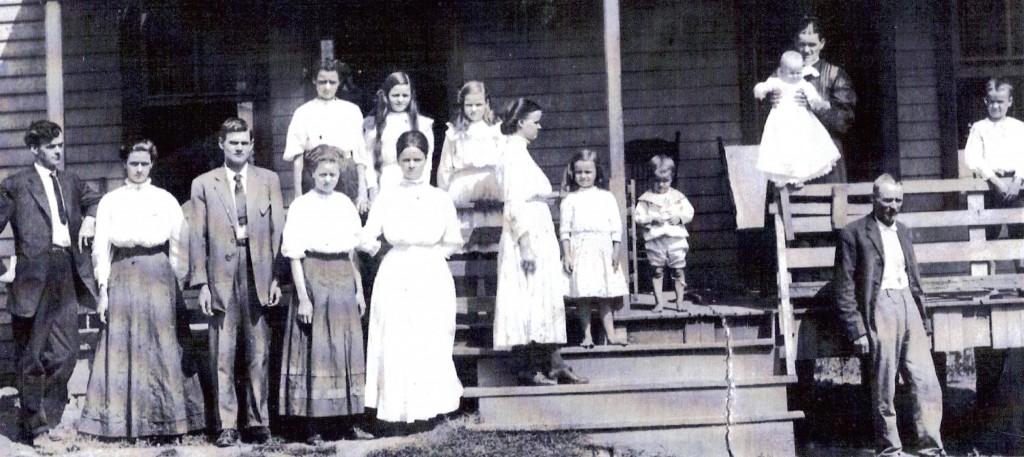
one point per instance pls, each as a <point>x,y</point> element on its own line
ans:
<point>410,374</point>
<point>795,146</point>
<point>528,308</point>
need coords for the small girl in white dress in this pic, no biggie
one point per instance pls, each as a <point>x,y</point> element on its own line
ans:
<point>795,147</point>
<point>396,113</point>
<point>469,157</point>
<point>591,234</point>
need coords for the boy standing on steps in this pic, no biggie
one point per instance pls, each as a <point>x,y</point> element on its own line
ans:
<point>662,211</point>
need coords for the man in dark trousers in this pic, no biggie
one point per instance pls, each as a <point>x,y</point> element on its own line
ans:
<point>880,307</point>
<point>237,219</point>
<point>45,206</point>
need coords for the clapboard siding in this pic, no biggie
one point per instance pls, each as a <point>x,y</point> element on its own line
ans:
<point>680,73</point>
<point>559,66</point>
<point>915,63</point>
<point>92,87</point>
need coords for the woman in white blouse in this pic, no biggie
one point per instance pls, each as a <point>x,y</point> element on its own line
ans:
<point>410,374</point>
<point>139,386</point>
<point>323,371</point>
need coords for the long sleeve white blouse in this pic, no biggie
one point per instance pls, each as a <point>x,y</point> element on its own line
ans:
<point>522,182</point>
<point>140,215</point>
<point>412,214</point>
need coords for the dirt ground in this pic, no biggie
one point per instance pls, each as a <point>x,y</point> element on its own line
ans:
<point>836,426</point>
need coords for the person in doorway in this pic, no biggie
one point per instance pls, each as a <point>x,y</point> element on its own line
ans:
<point>836,112</point>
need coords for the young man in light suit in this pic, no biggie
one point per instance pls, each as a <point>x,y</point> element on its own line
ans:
<point>237,218</point>
<point>45,207</point>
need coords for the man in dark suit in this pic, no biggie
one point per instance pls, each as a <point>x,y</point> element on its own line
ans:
<point>45,207</point>
<point>237,219</point>
<point>881,311</point>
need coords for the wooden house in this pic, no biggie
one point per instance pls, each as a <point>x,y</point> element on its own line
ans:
<point>606,72</point>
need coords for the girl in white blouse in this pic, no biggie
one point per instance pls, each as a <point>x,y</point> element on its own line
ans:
<point>591,233</point>
<point>396,113</point>
<point>469,157</point>
<point>139,385</point>
<point>323,371</point>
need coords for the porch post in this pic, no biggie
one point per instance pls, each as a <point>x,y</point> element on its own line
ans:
<point>616,134</point>
<point>54,63</point>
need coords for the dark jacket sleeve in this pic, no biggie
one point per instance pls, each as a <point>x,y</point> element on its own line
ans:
<point>89,198</point>
<point>846,285</point>
<point>839,118</point>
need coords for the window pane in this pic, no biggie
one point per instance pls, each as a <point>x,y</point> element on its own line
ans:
<point>982,28</point>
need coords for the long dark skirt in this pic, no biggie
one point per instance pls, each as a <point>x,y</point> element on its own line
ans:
<point>324,370</point>
<point>138,386</point>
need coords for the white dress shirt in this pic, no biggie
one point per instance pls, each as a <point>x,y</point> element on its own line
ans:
<point>61,233</point>
<point>240,230</point>
<point>334,122</point>
<point>894,275</point>
<point>994,147</point>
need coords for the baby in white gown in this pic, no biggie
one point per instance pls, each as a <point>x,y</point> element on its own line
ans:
<point>795,147</point>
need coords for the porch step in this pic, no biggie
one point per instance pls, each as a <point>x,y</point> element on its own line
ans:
<point>672,418</point>
<point>640,362</point>
<point>689,324</point>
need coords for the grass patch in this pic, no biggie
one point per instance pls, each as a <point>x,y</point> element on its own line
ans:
<point>452,439</point>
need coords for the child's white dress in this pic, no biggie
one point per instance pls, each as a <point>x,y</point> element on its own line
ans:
<point>795,147</point>
<point>590,221</point>
<point>467,171</point>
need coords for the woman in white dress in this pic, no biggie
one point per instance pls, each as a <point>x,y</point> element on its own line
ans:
<point>529,306</point>
<point>410,374</point>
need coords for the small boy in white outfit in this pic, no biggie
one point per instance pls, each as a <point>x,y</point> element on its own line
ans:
<point>663,211</point>
<point>995,150</point>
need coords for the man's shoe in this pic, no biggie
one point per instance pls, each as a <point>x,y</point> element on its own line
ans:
<point>259,435</point>
<point>228,437</point>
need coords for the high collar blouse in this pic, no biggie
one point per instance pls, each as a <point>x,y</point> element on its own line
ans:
<point>413,214</point>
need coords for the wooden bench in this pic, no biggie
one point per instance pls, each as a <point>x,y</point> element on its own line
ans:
<point>972,303</point>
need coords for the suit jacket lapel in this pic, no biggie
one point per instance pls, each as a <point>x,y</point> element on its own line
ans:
<point>251,188</point>
<point>875,236</point>
<point>226,194</point>
<point>39,194</point>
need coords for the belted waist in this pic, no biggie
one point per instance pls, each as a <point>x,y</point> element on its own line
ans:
<point>56,248</point>
<point>327,255</point>
<point>242,242</point>
<point>136,251</point>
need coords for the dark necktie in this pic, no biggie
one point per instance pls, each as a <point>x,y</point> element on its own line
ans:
<point>61,211</point>
<point>240,201</point>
